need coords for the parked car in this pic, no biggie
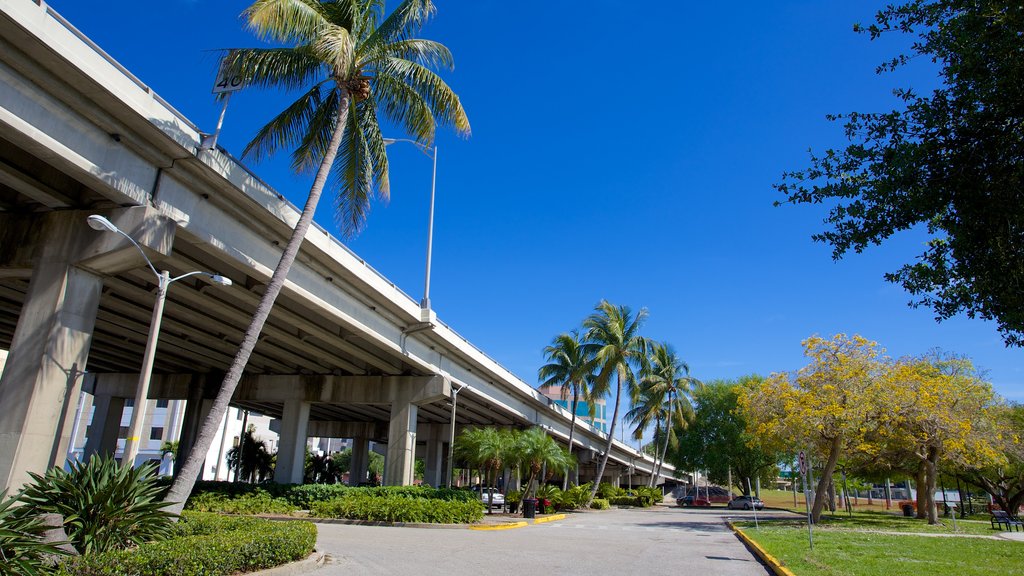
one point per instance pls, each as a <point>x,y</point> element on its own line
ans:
<point>691,500</point>
<point>746,503</point>
<point>487,493</point>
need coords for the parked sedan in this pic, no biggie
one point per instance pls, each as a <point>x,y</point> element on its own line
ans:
<point>745,503</point>
<point>487,493</point>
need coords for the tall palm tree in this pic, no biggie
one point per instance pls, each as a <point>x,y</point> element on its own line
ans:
<point>613,339</point>
<point>354,63</point>
<point>569,367</point>
<point>665,386</point>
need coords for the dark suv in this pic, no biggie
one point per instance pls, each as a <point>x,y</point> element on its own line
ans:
<point>746,503</point>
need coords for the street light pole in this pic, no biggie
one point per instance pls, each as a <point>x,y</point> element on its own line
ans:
<point>164,280</point>
<point>432,153</point>
<point>451,437</point>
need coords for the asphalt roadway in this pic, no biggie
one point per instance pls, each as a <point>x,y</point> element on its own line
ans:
<point>660,540</point>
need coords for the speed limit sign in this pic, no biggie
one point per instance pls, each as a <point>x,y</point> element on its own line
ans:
<point>226,81</point>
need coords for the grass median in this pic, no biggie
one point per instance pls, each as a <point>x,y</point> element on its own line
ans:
<point>884,545</point>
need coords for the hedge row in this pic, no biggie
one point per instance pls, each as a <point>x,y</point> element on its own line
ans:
<point>237,498</point>
<point>397,508</point>
<point>205,545</point>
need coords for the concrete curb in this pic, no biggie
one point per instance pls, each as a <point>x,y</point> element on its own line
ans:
<point>491,527</point>
<point>550,518</point>
<point>771,561</point>
<point>314,562</point>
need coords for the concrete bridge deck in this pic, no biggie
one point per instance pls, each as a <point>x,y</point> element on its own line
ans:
<point>344,352</point>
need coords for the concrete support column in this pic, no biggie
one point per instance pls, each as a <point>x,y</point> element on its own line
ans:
<point>197,409</point>
<point>400,463</point>
<point>291,452</point>
<point>106,422</point>
<point>434,460</point>
<point>360,461</point>
<point>43,373</point>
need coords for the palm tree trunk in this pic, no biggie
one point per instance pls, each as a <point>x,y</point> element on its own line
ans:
<point>190,470</point>
<point>664,446</point>
<point>572,431</point>
<point>611,438</point>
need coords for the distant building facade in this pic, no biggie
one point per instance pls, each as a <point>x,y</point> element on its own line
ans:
<point>600,421</point>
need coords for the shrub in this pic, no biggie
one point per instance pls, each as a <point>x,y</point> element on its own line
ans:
<point>106,506</point>
<point>624,501</point>
<point>574,497</point>
<point>600,504</point>
<point>21,549</point>
<point>257,502</point>
<point>648,497</point>
<point>208,546</point>
<point>395,508</point>
<point>606,490</point>
<point>513,497</point>
<point>304,496</point>
<point>548,492</point>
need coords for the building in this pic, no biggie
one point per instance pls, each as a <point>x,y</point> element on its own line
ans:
<point>600,421</point>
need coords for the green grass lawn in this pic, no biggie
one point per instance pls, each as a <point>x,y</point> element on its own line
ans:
<point>882,522</point>
<point>843,552</point>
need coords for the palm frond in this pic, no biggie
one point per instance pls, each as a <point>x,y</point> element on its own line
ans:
<point>283,68</point>
<point>402,23</point>
<point>335,46</point>
<point>287,21</point>
<point>287,128</point>
<point>444,103</point>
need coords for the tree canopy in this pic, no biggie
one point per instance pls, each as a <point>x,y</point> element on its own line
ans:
<point>950,162</point>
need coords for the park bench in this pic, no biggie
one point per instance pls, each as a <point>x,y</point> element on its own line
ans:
<point>1000,517</point>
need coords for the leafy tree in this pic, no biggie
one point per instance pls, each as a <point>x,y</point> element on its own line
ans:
<point>570,368</point>
<point>717,439</point>
<point>950,161</point>
<point>321,469</point>
<point>662,395</point>
<point>613,339</point>
<point>356,63</point>
<point>1003,477</point>
<point>943,410</point>
<point>251,460</point>
<point>831,405</point>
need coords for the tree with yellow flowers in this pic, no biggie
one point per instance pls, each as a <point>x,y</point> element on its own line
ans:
<point>943,412</point>
<point>830,406</point>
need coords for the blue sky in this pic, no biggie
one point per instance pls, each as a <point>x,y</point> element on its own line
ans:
<point>618,153</point>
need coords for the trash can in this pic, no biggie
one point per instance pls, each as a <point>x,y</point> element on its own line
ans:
<point>908,510</point>
<point>529,508</point>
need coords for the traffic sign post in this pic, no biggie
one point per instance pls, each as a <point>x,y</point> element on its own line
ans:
<point>226,83</point>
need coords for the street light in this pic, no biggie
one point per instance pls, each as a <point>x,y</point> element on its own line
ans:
<point>432,153</point>
<point>164,280</point>
<point>456,388</point>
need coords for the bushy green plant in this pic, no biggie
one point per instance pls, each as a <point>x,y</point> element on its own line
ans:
<point>207,545</point>
<point>21,549</point>
<point>394,508</point>
<point>606,490</point>
<point>303,496</point>
<point>106,506</point>
<point>256,502</point>
<point>513,497</point>
<point>647,496</point>
<point>549,492</point>
<point>574,497</point>
<point>600,504</point>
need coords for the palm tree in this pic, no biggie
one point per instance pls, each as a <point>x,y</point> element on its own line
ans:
<point>251,460</point>
<point>569,368</point>
<point>355,63</point>
<point>613,340</point>
<point>535,451</point>
<point>664,390</point>
<point>488,449</point>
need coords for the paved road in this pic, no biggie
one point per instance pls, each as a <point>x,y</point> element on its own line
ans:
<point>662,540</point>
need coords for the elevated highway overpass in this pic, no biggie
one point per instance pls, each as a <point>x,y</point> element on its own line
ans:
<point>345,352</point>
